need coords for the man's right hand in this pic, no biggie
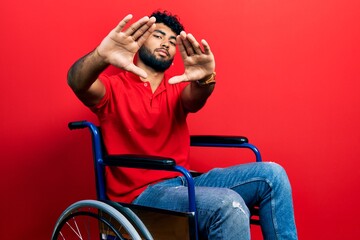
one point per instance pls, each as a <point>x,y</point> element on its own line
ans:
<point>119,47</point>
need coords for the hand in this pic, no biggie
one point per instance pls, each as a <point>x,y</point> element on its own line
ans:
<point>119,47</point>
<point>199,63</point>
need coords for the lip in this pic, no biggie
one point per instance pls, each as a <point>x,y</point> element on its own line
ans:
<point>163,52</point>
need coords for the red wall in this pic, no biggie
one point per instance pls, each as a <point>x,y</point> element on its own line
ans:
<point>288,78</point>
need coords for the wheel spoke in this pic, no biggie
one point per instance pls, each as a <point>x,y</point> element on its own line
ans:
<point>77,230</point>
<point>91,219</point>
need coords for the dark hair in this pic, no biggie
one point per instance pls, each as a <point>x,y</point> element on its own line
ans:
<point>170,20</point>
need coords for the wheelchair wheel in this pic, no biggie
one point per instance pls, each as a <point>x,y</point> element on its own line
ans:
<point>91,219</point>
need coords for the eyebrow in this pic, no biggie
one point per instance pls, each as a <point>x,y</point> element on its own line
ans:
<point>164,34</point>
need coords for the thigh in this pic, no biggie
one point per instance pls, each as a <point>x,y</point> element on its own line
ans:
<point>214,206</point>
<point>251,181</point>
<point>173,195</point>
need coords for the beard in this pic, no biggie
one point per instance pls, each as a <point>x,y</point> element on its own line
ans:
<point>150,60</point>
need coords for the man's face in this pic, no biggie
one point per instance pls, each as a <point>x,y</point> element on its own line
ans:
<point>159,49</point>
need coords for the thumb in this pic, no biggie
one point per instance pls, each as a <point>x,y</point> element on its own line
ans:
<point>136,70</point>
<point>178,79</point>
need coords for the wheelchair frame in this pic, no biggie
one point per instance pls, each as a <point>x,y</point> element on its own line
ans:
<point>146,162</point>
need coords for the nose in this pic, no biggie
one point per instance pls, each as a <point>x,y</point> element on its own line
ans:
<point>165,44</point>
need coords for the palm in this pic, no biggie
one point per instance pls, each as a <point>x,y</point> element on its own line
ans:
<point>119,47</point>
<point>198,62</point>
<point>198,66</point>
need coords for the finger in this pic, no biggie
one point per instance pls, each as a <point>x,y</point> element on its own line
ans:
<point>145,30</point>
<point>145,35</point>
<point>207,49</point>
<point>194,44</point>
<point>187,45</point>
<point>178,79</point>
<point>181,47</point>
<point>123,22</point>
<point>136,70</point>
<point>136,26</point>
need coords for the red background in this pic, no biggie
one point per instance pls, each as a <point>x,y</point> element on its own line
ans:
<point>288,78</point>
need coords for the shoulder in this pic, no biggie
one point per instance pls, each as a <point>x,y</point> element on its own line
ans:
<point>111,80</point>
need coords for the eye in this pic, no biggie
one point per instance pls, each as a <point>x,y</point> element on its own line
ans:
<point>157,36</point>
<point>173,43</point>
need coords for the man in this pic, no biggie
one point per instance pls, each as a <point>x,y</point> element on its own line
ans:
<point>142,110</point>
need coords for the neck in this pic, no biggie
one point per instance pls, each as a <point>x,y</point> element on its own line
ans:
<point>154,77</point>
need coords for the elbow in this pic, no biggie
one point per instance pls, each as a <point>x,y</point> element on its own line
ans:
<point>70,79</point>
<point>193,107</point>
<point>72,82</point>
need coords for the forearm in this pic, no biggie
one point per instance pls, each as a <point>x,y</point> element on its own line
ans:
<point>195,96</point>
<point>85,71</point>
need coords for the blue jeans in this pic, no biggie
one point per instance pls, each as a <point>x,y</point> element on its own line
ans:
<point>224,196</point>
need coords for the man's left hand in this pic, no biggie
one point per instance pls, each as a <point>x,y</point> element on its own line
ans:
<point>199,62</point>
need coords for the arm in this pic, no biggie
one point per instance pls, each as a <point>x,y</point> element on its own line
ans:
<point>194,96</point>
<point>82,78</point>
<point>118,48</point>
<point>199,66</point>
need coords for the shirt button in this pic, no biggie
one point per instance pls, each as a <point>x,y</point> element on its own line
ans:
<point>145,84</point>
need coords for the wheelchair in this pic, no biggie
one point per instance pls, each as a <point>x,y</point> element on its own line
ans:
<point>107,220</point>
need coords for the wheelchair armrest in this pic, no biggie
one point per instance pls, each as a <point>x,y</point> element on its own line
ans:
<point>78,124</point>
<point>153,163</point>
<point>224,141</point>
<point>139,161</point>
<point>200,140</point>
<point>133,161</point>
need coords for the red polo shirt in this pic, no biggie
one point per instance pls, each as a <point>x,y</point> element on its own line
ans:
<point>136,121</point>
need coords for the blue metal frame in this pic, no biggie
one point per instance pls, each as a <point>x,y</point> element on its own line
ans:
<point>99,169</point>
<point>97,155</point>
<point>191,195</point>
<point>250,146</point>
<point>99,164</point>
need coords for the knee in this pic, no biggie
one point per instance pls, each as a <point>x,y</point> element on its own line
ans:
<point>230,205</point>
<point>224,216</point>
<point>275,168</point>
<point>277,175</point>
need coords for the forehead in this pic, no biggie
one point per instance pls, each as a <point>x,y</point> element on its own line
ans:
<point>165,30</point>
